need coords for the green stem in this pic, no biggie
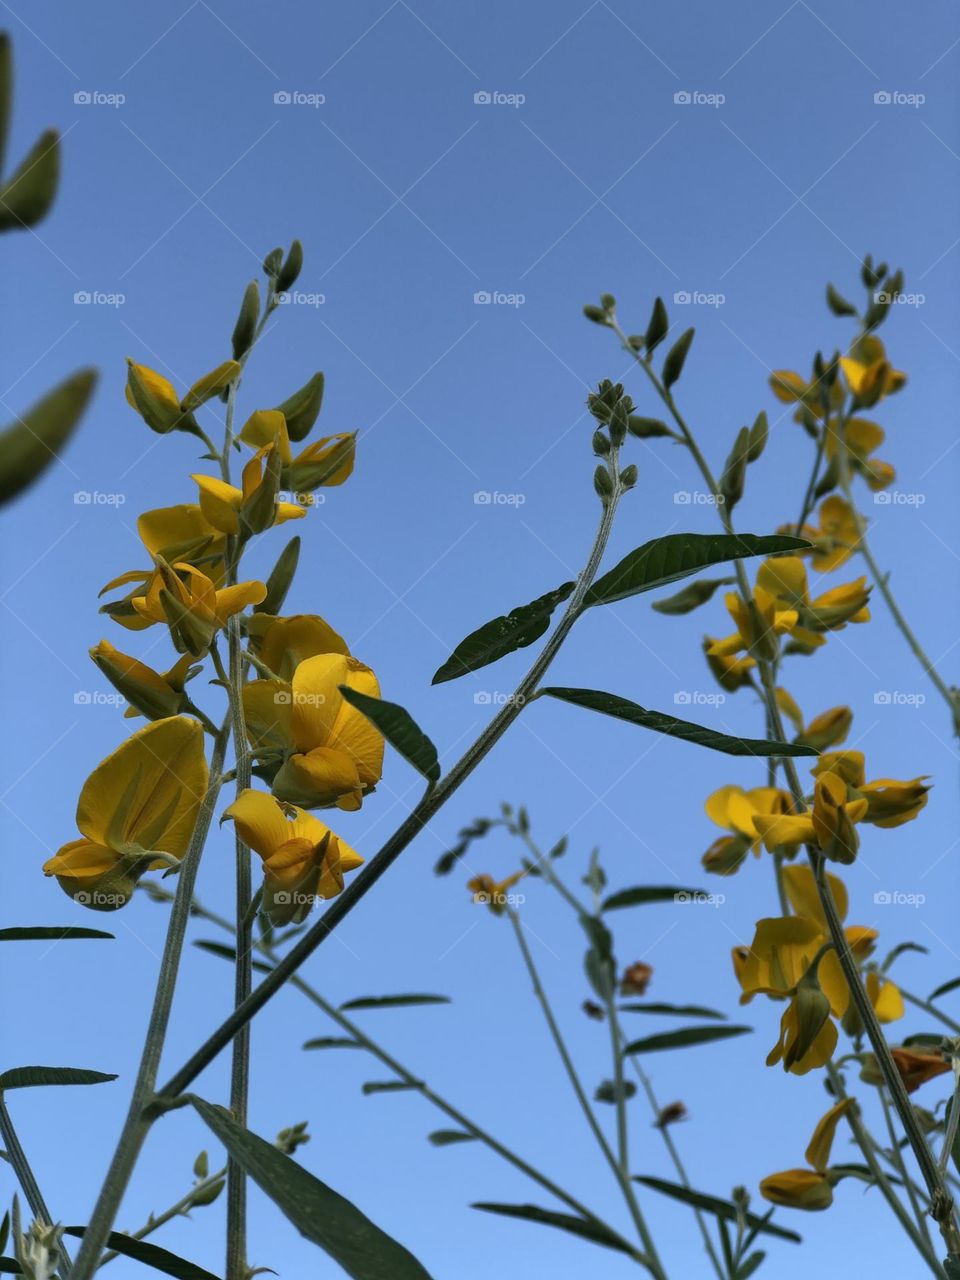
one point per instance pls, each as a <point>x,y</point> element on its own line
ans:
<point>896,1155</point>
<point>434,798</point>
<point>929,1007</point>
<point>617,1166</point>
<point>182,1206</point>
<point>28,1182</point>
<point>138,1120</point>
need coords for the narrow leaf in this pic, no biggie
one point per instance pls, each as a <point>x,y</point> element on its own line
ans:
<point>316,1210</point>
<point>676,358</point>
<point>448,1137</point>
<point>944,989</point>
<point>28,195</point>
<point>150,1254</point>
<point>723,1209</point>
<point>392,1002</point>
<point>333,1042</point>
<point>50,933</point>
<point>26,1077</point>
<point>389,1086</point>
<point>400,730</point>
<point>683,1039</point>
<point>678,555</point>
<point>229,953</point>
<point>582,1227</point>
<point>645,893</point>
<point>31,443</point>
<point>622,709</point>
<point>673,1010</point>
<point>691,596</point>
<point>503,635</point>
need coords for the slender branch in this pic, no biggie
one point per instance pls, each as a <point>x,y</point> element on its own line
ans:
<point>181,1208</point>
<point>28,1182</point>
<point>896,1155</point>
<point>617,1166</point>
<point>137,1123</point>
<point>929,1007</point>
<point>434,798</point>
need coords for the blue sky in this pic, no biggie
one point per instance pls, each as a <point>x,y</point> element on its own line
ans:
<point>584,172</point>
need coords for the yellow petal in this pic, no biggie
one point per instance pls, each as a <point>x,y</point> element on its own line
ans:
<point>263,427</point>
<point>289,641</point>
<point>817,1154</point>
<point>220,503</point>
<point>801,889</point>
<point>317,698</point>
<point>266,707</point>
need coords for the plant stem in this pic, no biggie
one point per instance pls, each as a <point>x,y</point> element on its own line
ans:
<point>896,1156</point>
<point>617,1166</point>
<point>182,1206</point>
<point>137,1123</point>
<point>939,1195</point>
<point>403,1073</point>
<point>28,1182</point>
<point>929,1007</point>
<point>434,798</point>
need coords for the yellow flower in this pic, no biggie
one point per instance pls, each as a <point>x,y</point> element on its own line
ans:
<point>731,673</point>
<point>786,581</point>
<point>829,824</point>
<point>304,862</point>
<point>148,692</point>
<point>837,537</point>
<point>194,610</point>
<point>154,398</point>
<point>328,461</point>
<point>807,1035</point>
<point>885,997</point>
<point>889,802</point>
<point>251,508</point>
<point>868,372</point>
<point>825,730</point>
<point>493,894</point>
<point>282,644</point>
<point>790,388</point>
<point>817,1154</point>
<point>734,810</point>
<point>798,1189</point>
<point>324,751</point>
<point>175,534</point>
<point>758,624</point>
<point>136,811</point>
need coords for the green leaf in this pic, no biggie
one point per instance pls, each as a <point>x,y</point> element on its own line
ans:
<point>151,1255</point>
<point>389,1086</point>
<point>676,358</point>
<point>582,1227</point>
<point>645,893</point>
<point>683,1039</point>
<point>400,730</point>
<point>723,1209</point>
<point>944,989</point>
<point>838,304</point>
<point>678,555</point>
<point>673,1010</point>
<point>494,640</point>
<point>448,1137</point>
<point>657,328</point>
<point>333,1042</point>
<point>317,1211</point>
<point>31,443</point>
<point>610,704</point>
<point>27,196</point>
<point>392,1002</point>
<point>50,933</point>
<point>750,1265</point>
<point>229,953</point>
<point>609,1091</point>
<point>951,1265</point>
<point>280,579</point>
<point>27,1077</point>
<point>691,596</point>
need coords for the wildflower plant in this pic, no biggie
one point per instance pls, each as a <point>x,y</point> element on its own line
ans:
<point>267,724</point>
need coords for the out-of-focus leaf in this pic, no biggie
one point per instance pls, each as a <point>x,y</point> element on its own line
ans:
<point>333,1042</point>
<point>229,953</point>
<point>392,1002</point>
<point>582,1227</point>
<point>944,989</point>
<point>724,1209</point>
<point>390,1086</point>
<point>151,1255</point>
<point>448,1137</point>
<point>317,1211</point>
<point>644,893</point>
<point>28,1077</point>
<point>673,1010</point>
<point>31,443</point>
<point>683,1039</point>
<point>691,596</point>
<point>25,198</point>
<point>49,933</point>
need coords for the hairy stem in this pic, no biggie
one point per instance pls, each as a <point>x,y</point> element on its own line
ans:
<point>28,1183</point>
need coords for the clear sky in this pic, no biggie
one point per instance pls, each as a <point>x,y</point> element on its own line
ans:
<point>583,173</point>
